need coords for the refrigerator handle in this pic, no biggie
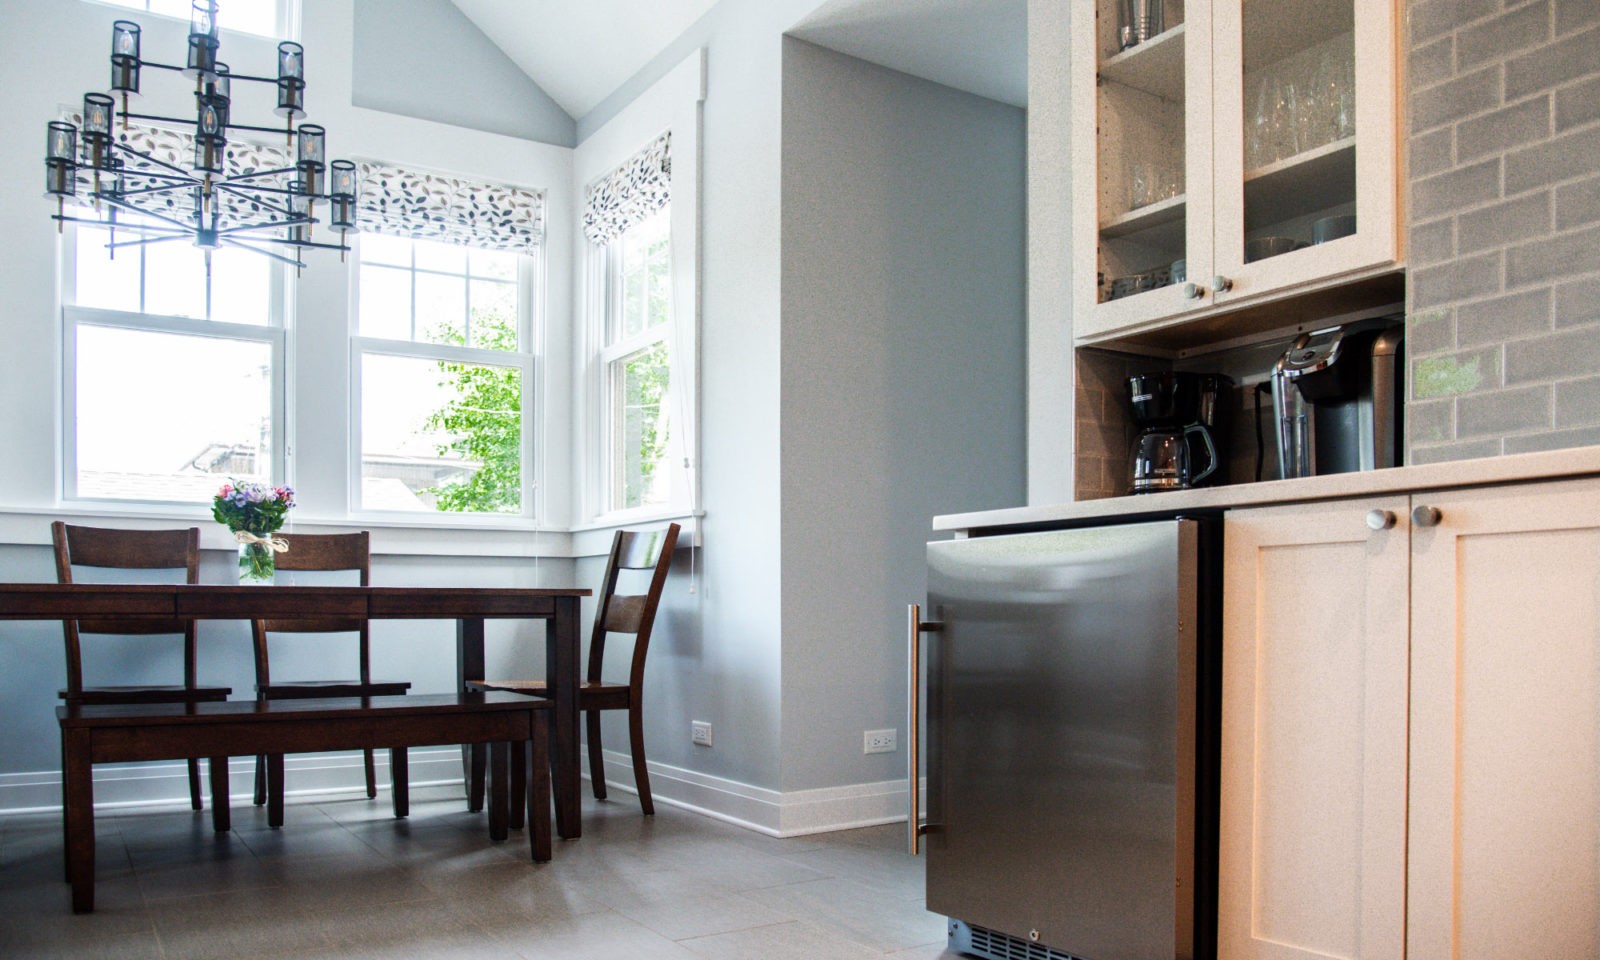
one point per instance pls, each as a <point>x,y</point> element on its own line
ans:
<point>915,628</point>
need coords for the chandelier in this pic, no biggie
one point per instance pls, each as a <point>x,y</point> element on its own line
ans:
<point>210,199</point>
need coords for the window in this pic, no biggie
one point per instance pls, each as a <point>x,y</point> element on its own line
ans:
<point>443,377</point>
<point>265,18</point>
<point>637,363</point>
<point>173,368</point>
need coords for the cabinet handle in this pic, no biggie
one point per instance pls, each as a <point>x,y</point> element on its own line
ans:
<point>1193,291</point>
<point>1426,516</point>
<point>1221,284</point>
<point>1380,519</point>
<point>915,628</point>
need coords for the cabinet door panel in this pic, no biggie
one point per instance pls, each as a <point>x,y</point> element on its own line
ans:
<point>1505,774</point>
<point>1314,733</point>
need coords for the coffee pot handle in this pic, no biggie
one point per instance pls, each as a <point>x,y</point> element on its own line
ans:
<point>1211,451</point>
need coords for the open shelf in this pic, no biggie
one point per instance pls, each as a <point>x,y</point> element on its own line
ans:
<point>1155,66</point>
<point>1317,179</point>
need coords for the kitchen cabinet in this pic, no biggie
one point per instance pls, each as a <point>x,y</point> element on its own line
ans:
<point>1474,622</point>
<point>1239,122</point>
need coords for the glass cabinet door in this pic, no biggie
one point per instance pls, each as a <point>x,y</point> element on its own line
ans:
<point>1305,141</point>
<point>1144,128</point>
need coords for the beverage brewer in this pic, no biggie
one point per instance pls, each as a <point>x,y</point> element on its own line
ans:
<point>1182,439</point>
<point>1336,399</point>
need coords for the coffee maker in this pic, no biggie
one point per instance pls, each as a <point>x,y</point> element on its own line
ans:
<point>1336,399</point>
<point>1183,430</point>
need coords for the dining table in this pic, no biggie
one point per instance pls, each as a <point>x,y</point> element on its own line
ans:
<point>469,607</point>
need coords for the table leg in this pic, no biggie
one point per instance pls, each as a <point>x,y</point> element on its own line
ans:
<point>77,787</point>
<point>220,809</point>
<point>469,666</point>
<point>498,777</point>
<point>561,673</point>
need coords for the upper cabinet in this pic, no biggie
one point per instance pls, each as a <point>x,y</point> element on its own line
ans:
<point>1227,153</point>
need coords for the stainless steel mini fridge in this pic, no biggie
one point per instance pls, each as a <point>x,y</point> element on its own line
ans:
<point>1070,680</point>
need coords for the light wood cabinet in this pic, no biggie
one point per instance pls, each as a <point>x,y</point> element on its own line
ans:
<point>1312,840</point>
<point>1478,631</point>
<point>1172,164</point>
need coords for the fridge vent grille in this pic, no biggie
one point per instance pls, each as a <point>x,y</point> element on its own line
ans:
<point>994,945</point>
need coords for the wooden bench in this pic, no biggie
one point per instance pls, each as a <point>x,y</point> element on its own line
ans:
<point>93,734</point>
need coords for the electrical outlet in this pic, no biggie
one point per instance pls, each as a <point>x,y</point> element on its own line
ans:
<point>879,741</point>
<point>700,732</point>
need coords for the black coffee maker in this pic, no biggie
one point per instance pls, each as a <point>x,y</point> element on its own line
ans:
<point>1182,418</point>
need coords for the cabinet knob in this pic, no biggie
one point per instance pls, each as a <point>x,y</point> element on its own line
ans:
<point>1380,519</point>
<point>1221,284</point>
<point>1424,516</point>
<point>1193,291</point>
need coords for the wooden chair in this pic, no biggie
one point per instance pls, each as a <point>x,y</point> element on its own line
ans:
<point>615,613</point>
<point>323,552</point>
<point>133,550</point>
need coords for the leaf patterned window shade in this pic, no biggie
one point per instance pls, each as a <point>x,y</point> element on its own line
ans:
<point>629,194</point>
<point>431,206</point>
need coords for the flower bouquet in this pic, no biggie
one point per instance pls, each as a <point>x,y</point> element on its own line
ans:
<point>254,511</point>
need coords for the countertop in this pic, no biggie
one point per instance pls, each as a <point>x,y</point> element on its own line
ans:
<point>1515,468</point>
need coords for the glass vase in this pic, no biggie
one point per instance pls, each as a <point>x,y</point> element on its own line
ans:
<point>257,564</point>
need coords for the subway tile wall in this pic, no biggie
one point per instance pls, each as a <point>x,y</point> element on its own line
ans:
<point>1503,136</point>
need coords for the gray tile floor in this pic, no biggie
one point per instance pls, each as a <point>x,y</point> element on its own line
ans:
<point>344,879</point>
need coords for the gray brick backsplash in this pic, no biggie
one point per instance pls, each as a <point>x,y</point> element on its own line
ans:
<point>1503,242</point>
<point>1503,318</point>
<point>1433,153</point>
<point>1431,422</point>
<point>1575,105</point>
<point>1455,99</point>
<point>1578,204</point>
<point>1503,223</point>
<point>1572,56</point>
<point>1493,39</point>
<point>1557,440</point>
<point>1432,64</point>
<point>1578,402</point>
<point>1460,450</point>
<point>1503,412</point>
<point>1578,303</point>
<point>1457,190</point>
<point>1497,132</point>
<point>1431,331</point>
<point>1553,356</point>
<point>1432,242</point>
<point>1461,279</point>
<point>1430,18</point>
<point>1564,255</point>
<point>1563,158</point>
<point>1573,14</point>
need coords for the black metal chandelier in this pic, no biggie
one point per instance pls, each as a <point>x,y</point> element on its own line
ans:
<point>210,202</point>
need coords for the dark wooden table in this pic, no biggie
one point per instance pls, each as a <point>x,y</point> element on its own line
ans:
<point>121,733</point>
<point>468,606</point>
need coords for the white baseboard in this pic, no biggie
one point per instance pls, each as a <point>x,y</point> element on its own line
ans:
<point>331,775</point>
<point>161,784</point>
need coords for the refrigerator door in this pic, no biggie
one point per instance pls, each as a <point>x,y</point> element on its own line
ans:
<point>1061,722</point>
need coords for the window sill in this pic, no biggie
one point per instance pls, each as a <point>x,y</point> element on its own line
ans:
<point>593,539</point>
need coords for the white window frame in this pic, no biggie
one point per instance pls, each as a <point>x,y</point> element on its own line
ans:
<point>673,103</point>
<point>286,28</point>
<point>275,333</point>
<point>616,345</point>
<point>530,302</point>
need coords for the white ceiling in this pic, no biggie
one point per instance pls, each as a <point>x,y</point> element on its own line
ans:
<point>980,46</point>
<point>574,51</point>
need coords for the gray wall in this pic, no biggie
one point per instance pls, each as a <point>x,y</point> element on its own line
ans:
<point>405,49</point>
<point>1504,148</point>
<point>902,376</point>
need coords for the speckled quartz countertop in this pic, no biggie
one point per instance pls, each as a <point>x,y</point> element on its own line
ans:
<point>1550,465</point>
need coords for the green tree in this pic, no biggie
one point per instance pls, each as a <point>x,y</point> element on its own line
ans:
<point>483,421</point>
<point>645,387</point>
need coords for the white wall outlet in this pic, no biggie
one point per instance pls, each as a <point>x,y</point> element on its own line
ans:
<point>879,741</point>
<point>700,732</point>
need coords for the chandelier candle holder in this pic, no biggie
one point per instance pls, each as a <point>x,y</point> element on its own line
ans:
<point>203,200</point>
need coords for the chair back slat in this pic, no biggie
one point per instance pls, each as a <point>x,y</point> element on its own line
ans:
<point>329,552</point>
<point>635,614</point>
<point>334,551</point>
